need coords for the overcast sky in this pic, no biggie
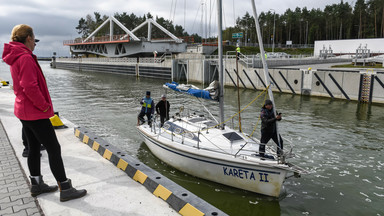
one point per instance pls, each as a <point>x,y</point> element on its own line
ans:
<point>55,20</point>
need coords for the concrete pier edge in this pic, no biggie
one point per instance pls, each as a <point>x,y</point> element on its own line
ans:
<point>180,199</point>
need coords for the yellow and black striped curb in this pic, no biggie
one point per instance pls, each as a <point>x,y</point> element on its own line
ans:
<point>180,199</point>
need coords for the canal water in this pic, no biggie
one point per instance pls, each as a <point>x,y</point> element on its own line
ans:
<point>340,142</point>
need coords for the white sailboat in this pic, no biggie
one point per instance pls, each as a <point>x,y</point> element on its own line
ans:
<point>206,148</point>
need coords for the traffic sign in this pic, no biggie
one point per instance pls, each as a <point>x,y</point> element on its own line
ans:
<point>237,35</point>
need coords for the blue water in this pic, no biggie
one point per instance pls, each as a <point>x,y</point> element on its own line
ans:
<point>340,142</point>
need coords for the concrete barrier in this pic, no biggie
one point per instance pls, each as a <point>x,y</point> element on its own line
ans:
<point>180,199</point>
<point>341,84</point>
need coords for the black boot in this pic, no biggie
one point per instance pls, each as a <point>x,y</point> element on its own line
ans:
<point>67,192</point>
<point>39,187</point>
<point>25,152</point>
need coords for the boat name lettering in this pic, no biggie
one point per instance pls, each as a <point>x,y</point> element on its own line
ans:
<point>245,174</point>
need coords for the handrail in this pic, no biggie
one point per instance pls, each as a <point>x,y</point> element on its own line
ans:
<point>115,38</point>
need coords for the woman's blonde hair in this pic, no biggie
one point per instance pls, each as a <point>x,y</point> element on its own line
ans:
<point>21,32</point>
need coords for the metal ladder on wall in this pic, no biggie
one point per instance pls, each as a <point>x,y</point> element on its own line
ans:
<point>366,88</point>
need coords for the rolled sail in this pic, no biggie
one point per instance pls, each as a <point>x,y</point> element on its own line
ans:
<point>210,93</point>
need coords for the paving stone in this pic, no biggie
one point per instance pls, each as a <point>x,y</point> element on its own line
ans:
<point>24,190</point>
<point>17,208</point>
<point>13,193</point>
<point>10,187</point>
<point>7,176</point>
<point>12,203</point>
<point>16,169</point>
<point>22,195</point>
<point>19,175</point>
<point>33,211</point>
<point>21,181</point>
<point>5,162</point>
<point>20,213</point>
<point>5,200</point>
<point>3,190</point>
<point>15,197</point>
<point>17,187</point>
<point>8,210</point>
<point>28,199</point>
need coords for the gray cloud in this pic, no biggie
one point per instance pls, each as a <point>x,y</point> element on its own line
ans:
<point>55,21</point>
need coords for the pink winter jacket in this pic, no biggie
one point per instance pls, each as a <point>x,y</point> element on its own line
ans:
<point>29,85</point>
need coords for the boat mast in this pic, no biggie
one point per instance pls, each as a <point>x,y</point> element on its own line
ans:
<point>265,66</point>
<point>220,53</point>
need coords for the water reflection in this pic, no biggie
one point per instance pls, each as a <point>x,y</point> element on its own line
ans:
<point>363,111</point>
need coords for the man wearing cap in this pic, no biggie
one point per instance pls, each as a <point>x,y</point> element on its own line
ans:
<point>147,109</point>
<point>268,128</point>
<point>162,108</point>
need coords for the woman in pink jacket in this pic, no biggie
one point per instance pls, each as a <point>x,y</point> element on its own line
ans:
<point>33,106</point>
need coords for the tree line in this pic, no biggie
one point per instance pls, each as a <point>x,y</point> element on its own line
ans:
<point>365,19</point>
<point>302,26</point>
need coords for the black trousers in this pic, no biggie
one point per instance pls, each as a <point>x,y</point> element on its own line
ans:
<point>163,118</point>
<point>265,137</point>
<point>41,132</point>
<point>25,143</point>
<point>141,117</point>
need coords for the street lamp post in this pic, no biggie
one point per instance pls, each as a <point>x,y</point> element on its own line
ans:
<point>274,25</point>
<point>306,38</point>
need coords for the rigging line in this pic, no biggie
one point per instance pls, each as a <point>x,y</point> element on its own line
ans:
<point>197,13</point>
<point>202,134</point>
<point>212,6</point>
<point>206,23</point>
<point>210,17</point>
<point>174,12</point>
<point>170,13</point>
<point>202,22</point>
<point>258,120</point>
<point>234,15</point>
<point>206,109</point>
<point>185,9</point>
<point>208,128</point>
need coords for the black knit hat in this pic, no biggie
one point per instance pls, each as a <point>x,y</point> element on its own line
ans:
<point>148,93</point>
<point>268,102</point>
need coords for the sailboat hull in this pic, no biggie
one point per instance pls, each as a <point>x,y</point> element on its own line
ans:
<point>216,167</point>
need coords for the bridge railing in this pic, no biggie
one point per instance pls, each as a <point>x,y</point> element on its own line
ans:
<point>98,60</point>
<point>115,38</point>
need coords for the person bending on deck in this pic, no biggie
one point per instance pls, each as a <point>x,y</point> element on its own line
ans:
<point>147,109</point>
<point>162,108</point>
<point>268,128</point>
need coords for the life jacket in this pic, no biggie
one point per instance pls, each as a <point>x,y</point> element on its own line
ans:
<point>147,103</point>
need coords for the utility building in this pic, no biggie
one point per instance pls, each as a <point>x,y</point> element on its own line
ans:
<point>349,47</point>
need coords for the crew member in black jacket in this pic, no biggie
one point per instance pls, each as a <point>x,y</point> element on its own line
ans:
<point>162,108</point>
<point>268,128</point>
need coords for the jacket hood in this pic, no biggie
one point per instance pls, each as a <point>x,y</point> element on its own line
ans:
<point>13,51</point>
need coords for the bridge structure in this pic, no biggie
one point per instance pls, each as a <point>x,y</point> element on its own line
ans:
<point>127,44</point>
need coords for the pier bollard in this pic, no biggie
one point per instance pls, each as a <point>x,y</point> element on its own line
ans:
<point>56,122</point>
<point>4,83</point>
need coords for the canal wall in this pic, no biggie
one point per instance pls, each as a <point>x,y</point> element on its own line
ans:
<point>364,85</point>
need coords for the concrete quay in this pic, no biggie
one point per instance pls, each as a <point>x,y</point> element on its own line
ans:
<point>110,190</point>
